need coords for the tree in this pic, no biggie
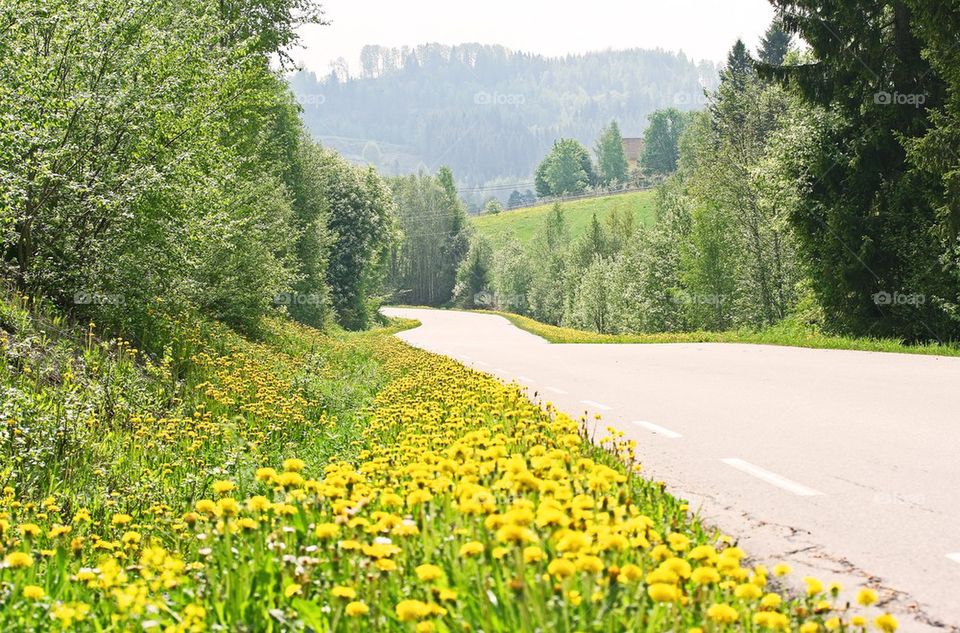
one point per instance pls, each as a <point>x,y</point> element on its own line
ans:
<point>435,239</point>
<point>774,45</point>
<point>566,169</point>
<point>360,218</point>
<point>660,141</point>
<point>611,158</point>
<point>550,252</point>
<point>492,205</point>
<point>512,276</point>
<point>515,200</point>
<point>473,276</point>
<point>868,220</point>
<point>739,66</point>
<point>594,301</point>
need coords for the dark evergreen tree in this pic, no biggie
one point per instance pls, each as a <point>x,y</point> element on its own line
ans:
<point>869,223</point>
<point>774,45</point>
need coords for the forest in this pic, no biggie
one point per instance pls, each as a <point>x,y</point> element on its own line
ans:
<point>487,112</point>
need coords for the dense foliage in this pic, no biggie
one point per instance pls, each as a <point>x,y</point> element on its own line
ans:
<point>434,239</point>
<point>154,163</point>
<point>877,216</point>
<point>567,169</point>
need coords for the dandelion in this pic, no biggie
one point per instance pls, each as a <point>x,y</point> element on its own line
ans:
<point>429,573</point>
<point>473,548</point>
<point>886,623</point>
<point>723,613</point>
<point>356,609</point>
<point>533,554</point>
<point>326,530</point>
<point>30,530</point>
<point>33,592</point>
<point>814,586</point>
<point>410,610</point>
<point>347,593</point>
<point>662,592</point>
<point>18,560</point>
<point>292,589</point>
<point>866,597</point>
<point>223,486</point>
<point>293,465</point>
<point>747,591</point>
<point>705,576</point>
<point>561,568</point>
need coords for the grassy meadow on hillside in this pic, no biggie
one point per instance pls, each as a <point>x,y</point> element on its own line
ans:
<point>524,223</point>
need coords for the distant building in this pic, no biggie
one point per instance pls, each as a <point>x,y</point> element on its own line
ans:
<point>633,148</point>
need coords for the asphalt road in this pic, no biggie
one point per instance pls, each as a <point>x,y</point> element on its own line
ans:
<point>844,464</point>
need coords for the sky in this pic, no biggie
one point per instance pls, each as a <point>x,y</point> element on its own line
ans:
<point>703,29</point>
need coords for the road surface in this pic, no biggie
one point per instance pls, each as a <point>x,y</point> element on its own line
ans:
<point>844,464</point>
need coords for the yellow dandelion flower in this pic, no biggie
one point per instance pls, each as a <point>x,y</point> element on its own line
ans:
<point>33,592</point>
<point>886,623</point>
<point>867,597</point>
<point>473,548</point>
<point>723,613</point>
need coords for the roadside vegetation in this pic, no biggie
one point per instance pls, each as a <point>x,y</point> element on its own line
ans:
<point>343,481</point>
<point>786,334</point>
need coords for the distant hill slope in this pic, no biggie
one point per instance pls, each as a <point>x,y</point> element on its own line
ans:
<point>485,111</point>
<point>524,223</point>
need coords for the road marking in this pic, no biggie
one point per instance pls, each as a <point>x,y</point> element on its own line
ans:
<point>954,556</point>
<point>596,405</point>
<point>480,362</point>
<point>501,370</point>
<point>770,478</point>
<point>525,379</point>
<point>555,390</point>
<point>656,428</point>
<point>465,357</point>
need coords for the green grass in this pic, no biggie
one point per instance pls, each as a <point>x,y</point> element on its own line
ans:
<point>786,334</point>
<point>524,223</point>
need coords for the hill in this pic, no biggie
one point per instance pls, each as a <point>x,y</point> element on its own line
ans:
<point>524,223</point>
<point>487,112</point>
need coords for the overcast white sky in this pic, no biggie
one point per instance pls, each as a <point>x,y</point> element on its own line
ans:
<point>703,29</point>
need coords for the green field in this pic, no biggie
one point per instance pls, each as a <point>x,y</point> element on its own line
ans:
<point>524,223</point>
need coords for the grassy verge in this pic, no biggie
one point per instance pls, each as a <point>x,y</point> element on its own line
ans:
<point>346,482</point>
<point>784,334</point>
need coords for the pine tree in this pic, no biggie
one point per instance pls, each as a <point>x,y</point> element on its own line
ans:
<point>739,67</point>
<point>611,158</point>
<point>775,44</point>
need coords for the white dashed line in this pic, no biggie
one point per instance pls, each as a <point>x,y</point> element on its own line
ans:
<point>555,390</point>
<point>525,379</point>
<point>465,357</point>
<point>656,428</point>
<point>501,370</point>
<point>480,362</point>
<point>954,556</point>
<point>771,478</point>
<point>596,405</point>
